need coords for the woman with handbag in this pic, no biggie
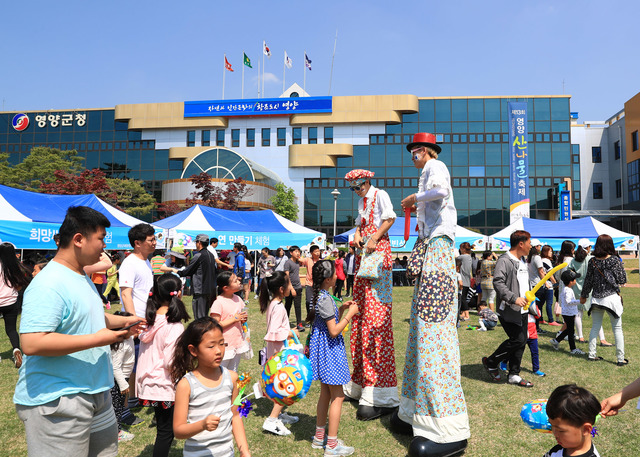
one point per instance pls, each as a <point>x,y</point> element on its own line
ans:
<point>432,404</point>
<point>373,379</point>
<point>605,275</point>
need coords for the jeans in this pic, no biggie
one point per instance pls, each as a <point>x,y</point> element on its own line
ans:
<point>597,316</point>
<point>535,359</point>
<point>296,301</point>
<point>548,300</point>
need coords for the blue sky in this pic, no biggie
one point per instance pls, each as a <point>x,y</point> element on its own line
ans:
<point>86,54</point>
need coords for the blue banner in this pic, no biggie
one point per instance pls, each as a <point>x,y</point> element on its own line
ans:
<point>258,107</point>
<point>519,161</point>
<point>565,205</point>
<point>253,240</point>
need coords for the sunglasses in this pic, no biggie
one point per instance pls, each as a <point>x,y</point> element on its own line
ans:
<point>355,188</point>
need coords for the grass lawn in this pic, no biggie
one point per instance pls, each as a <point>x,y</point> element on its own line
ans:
<point>496,427</point>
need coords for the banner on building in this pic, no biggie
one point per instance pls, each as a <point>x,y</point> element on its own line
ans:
<point>258,107</point>
<point>519,162</point>
<point>565,205</point>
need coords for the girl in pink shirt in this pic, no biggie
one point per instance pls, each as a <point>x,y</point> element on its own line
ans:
<point>229,310</point>
<point>165,311</point>
<point>271,296</point>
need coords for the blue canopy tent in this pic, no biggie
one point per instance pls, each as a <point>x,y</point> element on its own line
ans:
<point>255,229</point>
<point>30,219</point>
<point>554,233</point>
<point>396,236</point>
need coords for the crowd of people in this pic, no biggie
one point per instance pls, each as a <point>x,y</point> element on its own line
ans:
<point>83,361</point>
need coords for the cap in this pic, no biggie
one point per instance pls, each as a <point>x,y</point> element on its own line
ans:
<point>585,243</point>
<point>202,238</point>
<point>535,242</point>
<point>358,174</point>
<point>569,275</point>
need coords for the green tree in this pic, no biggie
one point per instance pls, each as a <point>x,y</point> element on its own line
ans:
<point>284,202</point>
<point>130,196</point>
<point>39,167</point>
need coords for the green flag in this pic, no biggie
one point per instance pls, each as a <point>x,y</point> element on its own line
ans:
<point>247,61</point>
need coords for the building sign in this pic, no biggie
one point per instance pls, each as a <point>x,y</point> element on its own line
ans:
<point>565,205</point>
<point>258,107</point>
<point>21,121</point>
<point>519,161</point>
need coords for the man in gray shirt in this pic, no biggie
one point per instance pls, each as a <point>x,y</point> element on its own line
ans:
<point>292,270</point>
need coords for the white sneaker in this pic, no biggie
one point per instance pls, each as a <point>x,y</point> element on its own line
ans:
<point>288,419</point>
<point>340,449</point>
<point>276,427</point>
<point>555,344</point>
<point>317,444</point>
<point>125,436</point>
<point>577,351</point>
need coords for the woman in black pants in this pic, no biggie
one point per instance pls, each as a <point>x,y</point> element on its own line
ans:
<point>13,280</point>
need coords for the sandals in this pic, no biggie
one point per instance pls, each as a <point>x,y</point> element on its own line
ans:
<point>605,344</point>
<point>594,359</point>
<point>621,364</point>
<point>521,383</point>
<point>494,373</point>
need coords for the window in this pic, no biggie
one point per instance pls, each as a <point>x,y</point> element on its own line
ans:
<point>597,191</point>
<point>297,135</point>
<point>282,137</point>
<point>219,137</point>
<point>191,138</point>
<point>616,150</point>
<point>618,188</point>
<point>235,138</point>
<point>206,138</point>
<point>266,137</point>
<point>596,154</point>
<point>634,141</point>
<point>251,138</point>
<point>313,135</point>
<point>328,135</point>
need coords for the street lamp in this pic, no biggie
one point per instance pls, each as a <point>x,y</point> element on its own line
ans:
<point>335,194</point>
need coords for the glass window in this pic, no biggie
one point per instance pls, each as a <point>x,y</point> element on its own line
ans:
<point>426,110</point>
<point>597,191</point>
<point>235,138</point>
<point>206,138</point>
<point>492,109</point>
<point>443,110</point>
<point>458,110</point>
<point>476,171</point>
<point>618,188</point>
<point>328,135</point>
<point>251,138</point>
<point>596,154</point>
<point>191,138</point>
<point>476,109</point>
<point>634,141</point>
<point>282,136</point>
<point>313,135</point>
<point>219,137</point>
<point>297,135</point>
<point>541,106</point>
<point>560,108</point>
<point>616,150</point>
<point>266,137</point>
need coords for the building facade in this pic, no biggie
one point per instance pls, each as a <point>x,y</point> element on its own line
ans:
<point>163,144</point>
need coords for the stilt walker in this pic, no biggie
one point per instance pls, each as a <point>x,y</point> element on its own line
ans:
<point>373,380</point>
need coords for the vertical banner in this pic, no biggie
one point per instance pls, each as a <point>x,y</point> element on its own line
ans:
<point>565,205</point>
<point>519,162</point>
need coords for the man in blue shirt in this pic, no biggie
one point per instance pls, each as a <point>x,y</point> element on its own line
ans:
<point>63,390</point>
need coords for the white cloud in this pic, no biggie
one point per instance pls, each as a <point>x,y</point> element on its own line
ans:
<point>268,78</point>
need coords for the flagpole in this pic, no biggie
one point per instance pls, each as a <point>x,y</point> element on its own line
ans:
<point>335,43</point>
<point>224,74</point>
<point>263,45</point>
<point>242,74</point>
<point>284,66</point>
<point>304,69</point>
<point>259,79</point>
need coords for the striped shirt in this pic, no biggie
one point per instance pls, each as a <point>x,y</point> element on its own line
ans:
<point>204,401</point>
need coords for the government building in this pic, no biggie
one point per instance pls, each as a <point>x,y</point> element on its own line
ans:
<point>310,143</point>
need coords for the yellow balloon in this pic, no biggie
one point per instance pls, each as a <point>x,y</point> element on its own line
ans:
<point>530,295</point>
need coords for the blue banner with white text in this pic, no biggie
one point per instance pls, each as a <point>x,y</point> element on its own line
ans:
<point>519,161</point>
<point>258,107</point>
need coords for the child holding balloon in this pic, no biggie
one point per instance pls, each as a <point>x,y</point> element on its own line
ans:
<point>272,292</point>
<point>204,414</point>
<point>328,357</point>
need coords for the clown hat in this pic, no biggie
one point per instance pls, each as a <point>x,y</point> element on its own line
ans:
<point>424,139</point>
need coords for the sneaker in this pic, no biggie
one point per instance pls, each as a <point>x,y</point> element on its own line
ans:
<point>276,427</point>
<point>577,351</point>
<point>255,297</point>
<point>539,373</point>
<point>555,344</point>
<point>503,366</point>
<point>288,419</point>
<point>125,436</point>
<point>134,422</point>
<point>555,324</point>
<point>300,328</point>
<point>340,449</point>
<point>107,305</point>
<point>17,357</point>
<point>317,444</point>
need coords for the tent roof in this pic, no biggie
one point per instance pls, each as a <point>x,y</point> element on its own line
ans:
<point>205,218</point>
<point>22,205</point>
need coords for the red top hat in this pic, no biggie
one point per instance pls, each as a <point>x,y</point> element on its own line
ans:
<point>424,139</point>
